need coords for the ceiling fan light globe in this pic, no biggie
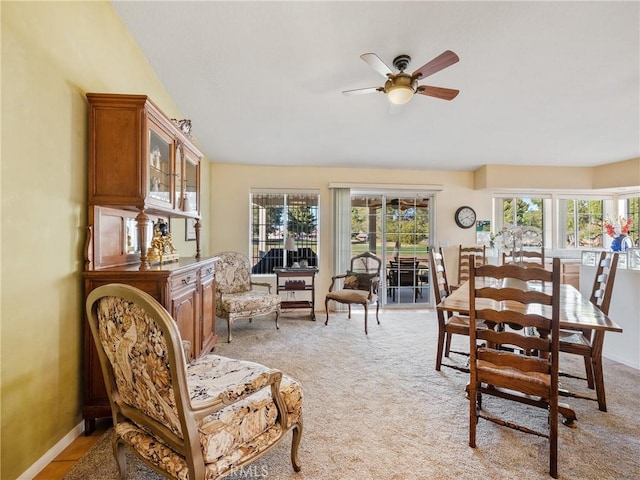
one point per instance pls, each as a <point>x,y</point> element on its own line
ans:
<point>400,94</point>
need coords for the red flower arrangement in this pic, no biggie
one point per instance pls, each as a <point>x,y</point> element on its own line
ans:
<point>625,225</point>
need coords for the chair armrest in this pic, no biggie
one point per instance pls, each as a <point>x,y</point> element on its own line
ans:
<point>261,284</point>
<point>334,278</point>
<point>235,393</point>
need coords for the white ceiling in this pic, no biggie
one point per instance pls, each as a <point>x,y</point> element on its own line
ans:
<point>541,83</point>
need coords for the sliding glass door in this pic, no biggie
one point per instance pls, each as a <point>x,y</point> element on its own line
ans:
<point>395,227</point>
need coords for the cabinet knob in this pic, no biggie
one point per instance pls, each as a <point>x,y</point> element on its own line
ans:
<point>209,271</point>
<point>186,281</point>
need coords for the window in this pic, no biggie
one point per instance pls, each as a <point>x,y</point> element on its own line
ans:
<point>284,229</point>
<point>581,221</point>
<point>630,208</point>
<point>521,211</point>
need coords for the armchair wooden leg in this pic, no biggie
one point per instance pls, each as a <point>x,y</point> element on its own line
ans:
<point>365,318</point>
<point>277,315</point>
<point>377,310</point>
<point>121,459</point>
<point>228,330</point>
<point>295,442</point>
<point>326,309</point>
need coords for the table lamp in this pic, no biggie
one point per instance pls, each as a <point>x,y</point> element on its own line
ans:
<point>292,249</point>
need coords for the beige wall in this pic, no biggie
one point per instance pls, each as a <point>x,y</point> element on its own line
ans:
<point>617,175</point>
<point>230,202</point>
<point>52,54</point>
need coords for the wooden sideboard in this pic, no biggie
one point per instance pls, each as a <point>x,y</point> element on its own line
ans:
<point>143,168</point>
<point>186,289</point>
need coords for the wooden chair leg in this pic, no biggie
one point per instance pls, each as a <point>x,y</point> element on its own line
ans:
<point>326,309</point>
<point>349,306</point>
<point>596,365</point>
<point>473,415</point>
<point>589,372</point>
<point>448,345</point>
<point>441,334</point>
<point>377,310</point>
<point>599,381</point>
<point>295,442</point>
<point>553,442</point>
<point>365,318</point>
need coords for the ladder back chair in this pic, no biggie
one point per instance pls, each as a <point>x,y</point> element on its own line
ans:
<point>448,323</point>
<point>464,258</point>
<point>588,343</point>
<point>507,294</point>
<point>526,258</point>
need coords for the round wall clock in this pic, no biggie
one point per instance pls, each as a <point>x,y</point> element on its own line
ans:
<point>465,217</point>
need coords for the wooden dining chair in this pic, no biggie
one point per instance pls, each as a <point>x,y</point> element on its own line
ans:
<point>448,323</point>
<point>464,255</point>
<point>404,272</point>
<point>586,342</point>
<point>527,379</point>
<point>527,258</point>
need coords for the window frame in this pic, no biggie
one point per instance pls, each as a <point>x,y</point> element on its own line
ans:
<point>283,225</point>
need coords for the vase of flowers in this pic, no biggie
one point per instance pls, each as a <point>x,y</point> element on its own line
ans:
<point>515,238</point>
<point>618,230</point>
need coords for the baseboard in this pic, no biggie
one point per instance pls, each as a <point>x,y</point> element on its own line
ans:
<point>53,452</point>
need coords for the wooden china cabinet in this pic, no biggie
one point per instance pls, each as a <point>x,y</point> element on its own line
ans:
<point>143,167</point>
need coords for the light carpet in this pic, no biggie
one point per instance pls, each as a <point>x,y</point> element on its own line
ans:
<point>375,408</point>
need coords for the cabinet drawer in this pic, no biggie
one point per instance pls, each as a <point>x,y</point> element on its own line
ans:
<point>206,273</point>
<point>183,280</point>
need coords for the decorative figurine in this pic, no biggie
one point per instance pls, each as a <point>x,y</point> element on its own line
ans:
<point>162,249</point>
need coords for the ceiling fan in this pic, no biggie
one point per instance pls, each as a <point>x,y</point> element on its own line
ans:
<point>400,87</point>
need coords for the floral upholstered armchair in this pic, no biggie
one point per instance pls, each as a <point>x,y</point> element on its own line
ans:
<point>235,296</point>
<point>195,421</point>
<point>359,285</point>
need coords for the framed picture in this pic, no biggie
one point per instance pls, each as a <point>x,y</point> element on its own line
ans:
<point>190,229</point>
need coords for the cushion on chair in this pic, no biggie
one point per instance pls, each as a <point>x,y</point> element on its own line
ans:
<point>351,296</point>
<point>248,303</point>
<point>359,281</point>
<point>537,383</point>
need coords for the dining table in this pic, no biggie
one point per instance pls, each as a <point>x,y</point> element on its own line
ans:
<point>576,313</point>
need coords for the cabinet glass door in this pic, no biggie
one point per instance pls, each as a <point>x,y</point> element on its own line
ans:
<point>190,203</point>
<point>178,185</point>
<point>159,167</point>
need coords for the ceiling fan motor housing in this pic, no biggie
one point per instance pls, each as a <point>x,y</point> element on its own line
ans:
<point>401,62</point>
<point>400,80</point>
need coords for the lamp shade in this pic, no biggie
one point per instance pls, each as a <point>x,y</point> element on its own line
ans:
<point>400,94</point>
<point>290,244</point>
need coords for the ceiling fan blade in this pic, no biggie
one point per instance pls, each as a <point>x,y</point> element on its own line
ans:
<point>377,64</point>
<point>441,61</point>
<point>360,91</point>
<point>438,92</point>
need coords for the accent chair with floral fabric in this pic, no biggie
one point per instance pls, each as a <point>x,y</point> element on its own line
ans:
<point>235,295</point>
<point>199,420</point>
